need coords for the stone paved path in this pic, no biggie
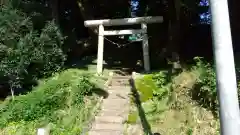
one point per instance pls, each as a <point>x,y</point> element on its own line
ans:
<point>114,109</point>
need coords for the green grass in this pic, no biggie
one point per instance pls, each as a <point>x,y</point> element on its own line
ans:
<point>62,103</point>
<point>170,109</point>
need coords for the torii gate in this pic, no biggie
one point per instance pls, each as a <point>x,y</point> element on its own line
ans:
<point>125,21</point>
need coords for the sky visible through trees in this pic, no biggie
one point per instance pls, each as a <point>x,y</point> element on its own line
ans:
<point>204,17</point>
<point>134,7</point>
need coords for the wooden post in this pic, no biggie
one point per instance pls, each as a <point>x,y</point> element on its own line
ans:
<point>100,49</point>
<point>145,48</point>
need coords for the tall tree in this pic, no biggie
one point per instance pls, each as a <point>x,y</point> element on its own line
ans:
<point>174,31</point>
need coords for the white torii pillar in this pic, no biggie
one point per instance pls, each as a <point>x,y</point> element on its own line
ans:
<point>100,49</point>
<point>145,47</point>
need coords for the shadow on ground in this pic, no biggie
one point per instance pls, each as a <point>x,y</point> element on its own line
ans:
<point>90,63</point>
<point>196,94</point>
<point>145,124</point>
<point>101,92</point>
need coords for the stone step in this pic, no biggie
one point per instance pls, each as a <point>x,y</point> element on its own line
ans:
<point>118,96</point>
<point>107,126</point>
<point>120,81</point>
<point>119,84</point>
<point>126,79</point>
<point>109,132</point>
<point>118,91</point>
<point>107,112</point>
<point>115,91</point>
<point>113,103</point>
<point>123,88</point>
<point>115,108</point>
<point>121,77</point>
<point>109,119</point>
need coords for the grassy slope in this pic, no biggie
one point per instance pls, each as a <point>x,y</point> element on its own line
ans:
<point>185,116</point>
<point>61,100</point>
<point>177,113</point>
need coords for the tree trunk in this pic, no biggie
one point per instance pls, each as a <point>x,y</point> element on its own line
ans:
<point>2,2</point>
<point>174,33</point>
<point>87,14</point>
<point>55,10</point>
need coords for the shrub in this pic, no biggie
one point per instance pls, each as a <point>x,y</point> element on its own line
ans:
<point>161,80</point>
<point>205,88</point>
<point>153,86</point>
<point>153,90</point>
<point>25,53</point>
<point>64,90</point>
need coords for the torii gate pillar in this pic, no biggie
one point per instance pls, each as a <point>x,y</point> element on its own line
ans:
<point>145,46</point>
<point>100,49</point>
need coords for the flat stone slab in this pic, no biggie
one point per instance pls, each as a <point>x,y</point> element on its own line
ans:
<point>105,133</point>
<point>119,88</point>
<point>107,112</point>
<point>121,77</point>
<point>119,91</point>
<point>115,104</point>
<point>114,83</point>
<point>109,119</point>
<point>118,96</point>
<point>107,126</point>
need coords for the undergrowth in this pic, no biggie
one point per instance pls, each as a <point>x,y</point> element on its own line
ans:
<point>61,103</point>
<point>205,89</point>
<point>189,99</point>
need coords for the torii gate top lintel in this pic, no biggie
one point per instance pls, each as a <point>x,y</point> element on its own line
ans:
<point>125,21</point>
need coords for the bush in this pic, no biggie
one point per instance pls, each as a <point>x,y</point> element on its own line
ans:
<point>161,80</point>
<point>26,54</point>
<point>205,87</point>
<point>153,90</point>
<point>153,86</point>
<point>63,91</point>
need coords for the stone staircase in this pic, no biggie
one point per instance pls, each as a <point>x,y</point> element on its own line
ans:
<point>114,109</point>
